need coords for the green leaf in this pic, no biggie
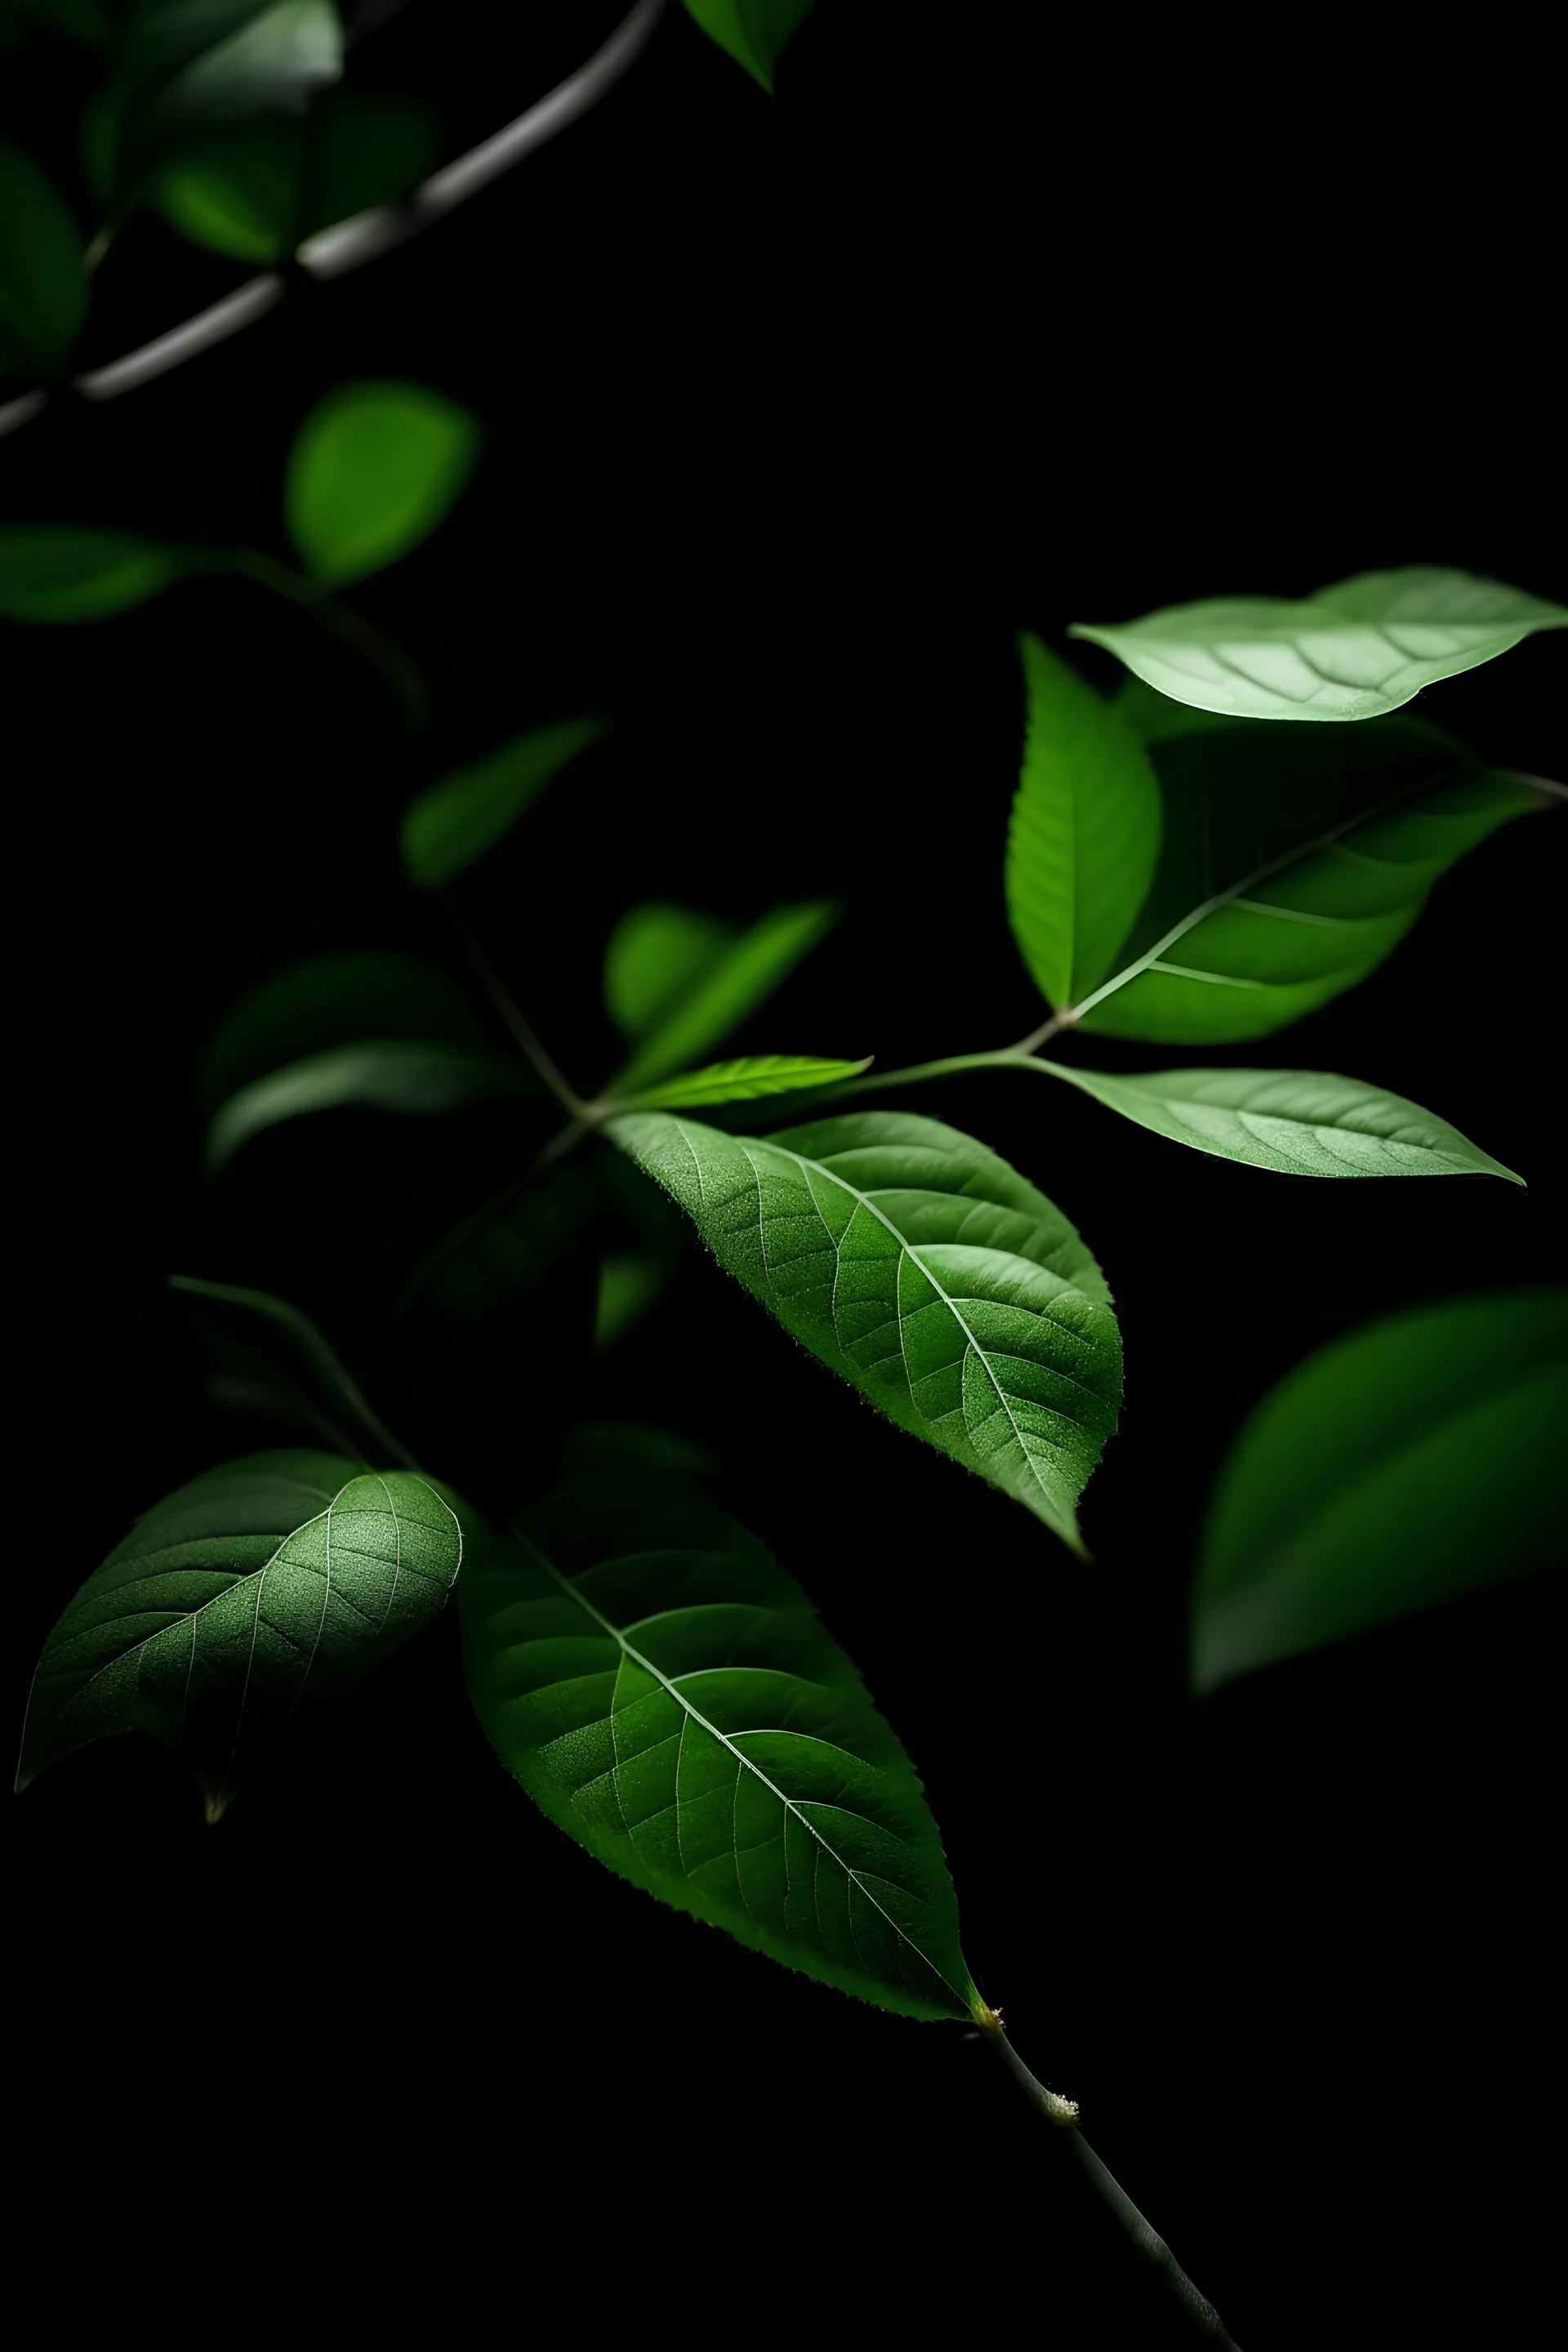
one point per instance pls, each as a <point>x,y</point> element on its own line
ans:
<point>342,998</point>
<point>229,1598</point>
<point>751,31</point>
<point>406,1075</point>
<point>311,1346</point>
<point>43,285</point>
<point>630,1281</point>
<point>1353,651</point>
<point>1293,864</point>
<point>924,1270</point>
<point>679,983</point>
<point>56,572</point>
<point>666,1694</point>
<point>365,150</point>
<point>1414,1460</point>
<point>745,1080</point>
<point>374,467</point>
<point>1085,832</point>
<point>238,193</point>
<point>458,819</point>
<point>1300,1122</point>
<point>188,67</point>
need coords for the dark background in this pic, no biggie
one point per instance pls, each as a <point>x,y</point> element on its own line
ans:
<point>796,412</point>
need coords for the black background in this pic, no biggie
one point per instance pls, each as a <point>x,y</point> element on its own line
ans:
<point>796,412</point>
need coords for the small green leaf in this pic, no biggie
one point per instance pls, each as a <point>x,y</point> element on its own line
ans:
<point>751,31</point>
<point>1353,651</point>
<point>55,572</point>
<point>1300,1122</point>
<point>1418,1458</point>
<point>407,1075</point>
<point>236,193</point>
<point>343,998</point>
<point>679,983</point>
<point>229,1598</point>
<point>629,1283</point>
<point>311,1346</point>
<point>745,1080</point>
<point>374,467</point>
<point>458,819</point>
<point>925,1271</point>
<point>666,1694</point>
<point>1085,832</point>
<point>43,285</point>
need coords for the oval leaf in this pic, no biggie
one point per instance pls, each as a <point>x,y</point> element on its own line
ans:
<point>364,150</point>
<point>56,572</point>
<point>745,1080</point>
<point>1299,1122</point>
<point>232,1595</point>
<point>1414,1460</point>
<point>680,983</point>
<point>374,467</point>
<point>458,819</point>
<point>1084,831</point>
<point>43,285</point>
<point>924,1270</point>
<point>751,31</point>
<point>1353,651</point>
<point>406,1075</point>
<point>666,1694</point>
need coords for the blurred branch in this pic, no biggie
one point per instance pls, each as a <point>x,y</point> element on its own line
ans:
<point>336,250</point>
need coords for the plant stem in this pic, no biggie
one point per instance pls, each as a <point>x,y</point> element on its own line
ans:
<point>249,563</point>
<point>1046,1030</point>
<point>1057,2110</point>
<point>538,1059</point>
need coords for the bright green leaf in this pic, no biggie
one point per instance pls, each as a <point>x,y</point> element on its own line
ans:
<point>1417,1459</point>
<point>309,1344</point>
<point>43,285</point>
<point>1293,864</point>
<point>923,1269</point>
<point>754,1075</point>
<point>1085,832</point>
<point>229,1597</point>
<point>1300,1122</point>
<point>1353,651</point>
<point>666,1694</point>
<point>374,467</point>
<point>56,572</point>
<point>407,1075</point>
<point>751,31</point>
<point>679,983</point>
<point>458,819</point>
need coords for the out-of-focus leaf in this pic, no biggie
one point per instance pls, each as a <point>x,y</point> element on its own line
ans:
<point>1414,1460</point>
<point>629,1283</point>
<point>746,1080</point>
<point>468,812</point>
<point>81,20</point>
<point>312,1349</point>
<point>751,31</point>
<point>43,286</point>
<point>186,67</point>
<point>365,150</point>
<point>254,191</point>
<point>373,469</point>
<point>678,983</point>
<point>343,998</point>
<point>54,572</point>
<point>404,1075</point>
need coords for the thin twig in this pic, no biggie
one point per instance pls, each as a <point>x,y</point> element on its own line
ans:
<point>539,1061</point>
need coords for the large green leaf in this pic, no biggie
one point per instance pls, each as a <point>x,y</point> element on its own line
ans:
<point>1292,864</point>
<point>229,1597</point>
<point>407,1075</point>
<point>1299,1122</point>
<point>1353,651</point>
<point>43,285</point>
<point>677,984</point>
<point>666,1694</point>
<point>373,469</point>
<point>751,31</point>
<point>924,1270</point>
<point>1417,1459</point>
<point>749,1079</point>
<point>468,812</point>
<point>342,998</point>
<point>54,572</point>
<point>1085,832</point>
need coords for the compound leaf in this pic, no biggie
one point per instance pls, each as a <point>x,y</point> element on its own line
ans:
<point>373,469</point>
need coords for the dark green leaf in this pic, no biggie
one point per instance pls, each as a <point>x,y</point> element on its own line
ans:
<point>229,1597</point>
<point>80,20</point>
<point>679,983</point>
<point>406,1074</point>
<point>666,1694</point>
<point>57,572</point>
<point>751,31</point>
<point>629,1283</point>
<point>1085,832</point>
<point>1414,1460</point>
<point>374,467</point>
<point>236,193</point>
<point>754,1076</point>
<point>43,286</point>
<point>1353,651</point>
<point>312,1349</point>
<point>1300,1122</point>
<point>188,67</point>
<point>365,150</point>
<point>342,998</point>
<point>923,1269</point>
<point>466,813</point>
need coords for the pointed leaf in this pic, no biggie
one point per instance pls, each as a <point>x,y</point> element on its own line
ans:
<point>374,467</point>
<point>924,1270</point>
<point>53,573</point>
<point>630,1281</point>
<point>751,31</point>
<point>745,1080</point>
<point>680,984</point>
<point>468,812</point>
<point>1084,831</point>
<point>1300,1122</point>
<point>403,1075</point>
<point>1353,651</point>
<point>229,1598</point>
<point>342,998</point>
<point>1414,1460</point>
<point>236,193</point>
<point>666,1694</point>
<point>43,285</point>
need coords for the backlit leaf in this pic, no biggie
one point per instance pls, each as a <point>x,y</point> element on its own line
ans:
<point>679,983</point>
<point>751,31</point>
<point>745,1080</point>
<point>373,469</point>
<point>468,812</point>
